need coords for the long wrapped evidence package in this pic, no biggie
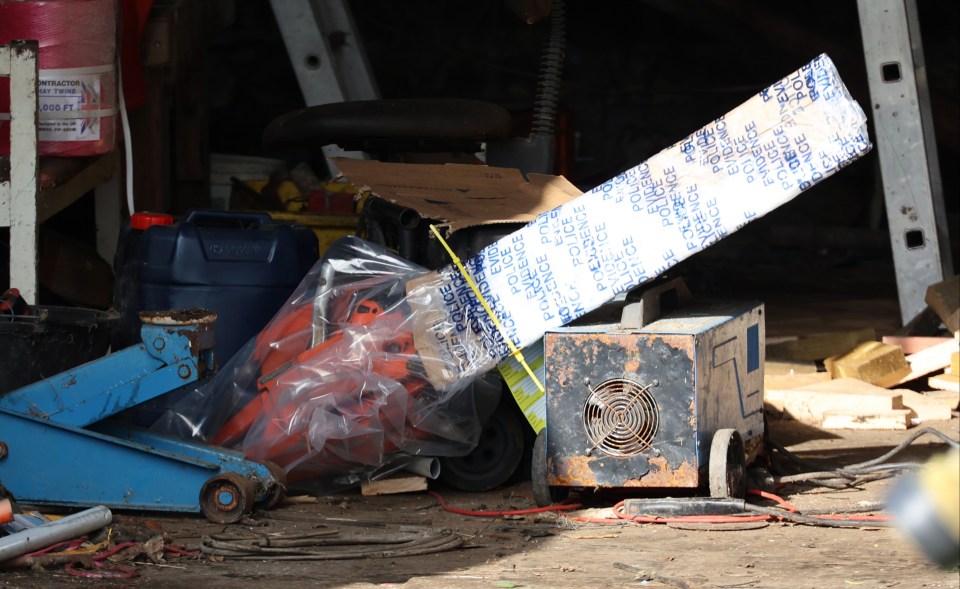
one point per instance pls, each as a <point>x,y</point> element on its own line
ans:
<point>630,229</point>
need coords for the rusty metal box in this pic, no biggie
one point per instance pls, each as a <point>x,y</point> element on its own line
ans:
<point>640,407</point>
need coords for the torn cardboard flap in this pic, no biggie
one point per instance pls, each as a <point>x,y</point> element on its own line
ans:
<point>457,196</point>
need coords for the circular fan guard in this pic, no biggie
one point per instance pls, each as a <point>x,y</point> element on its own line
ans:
<point>621,417</point>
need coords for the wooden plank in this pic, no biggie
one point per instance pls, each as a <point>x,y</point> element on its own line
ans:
<point>402,483</point>
<point>157,43</point>
<point>945,382</point>
<point>892,420</point>
<point>913,344</point>
<point>930,360</point>
<point>955,363</point>
<point>873,362</point>
<point>818,346</point>
<point>190,111</point>
<point>924,408</point>
<point>50,202</point>
<point>792,381</point>
<point>810,402</point>
<point>949,398</point>
<point>776,367</point>
<point>944,298</point>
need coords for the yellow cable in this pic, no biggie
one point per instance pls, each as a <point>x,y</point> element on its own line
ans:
<point>516,353</point>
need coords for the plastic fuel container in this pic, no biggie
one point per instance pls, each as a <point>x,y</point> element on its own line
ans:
<point>242,265</point>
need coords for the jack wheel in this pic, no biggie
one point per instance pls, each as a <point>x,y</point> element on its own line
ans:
<point>495,458</point>
<point>543,493</point>
<point>728,465</point>
<point>226,498</point>
<point>278,488</point>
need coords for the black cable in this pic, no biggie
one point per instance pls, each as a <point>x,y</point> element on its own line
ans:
<point>854,474</point>
<point>902,445</point>
<point>816,521</point>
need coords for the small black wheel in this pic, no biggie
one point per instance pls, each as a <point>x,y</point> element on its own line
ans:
<point>728,464</point>
<point>278,488</point>
<point>226,498</point>
<point>543,493</point>
<point>495,458</point>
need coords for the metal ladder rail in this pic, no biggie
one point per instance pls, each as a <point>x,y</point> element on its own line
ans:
<point>903,124</point>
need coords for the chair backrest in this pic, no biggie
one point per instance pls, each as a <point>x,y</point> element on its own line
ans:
<point>18,179</point>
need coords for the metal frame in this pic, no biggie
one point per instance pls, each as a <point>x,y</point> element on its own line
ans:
<point>906,146</point>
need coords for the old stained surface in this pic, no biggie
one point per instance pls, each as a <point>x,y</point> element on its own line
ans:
<point>579,360</point>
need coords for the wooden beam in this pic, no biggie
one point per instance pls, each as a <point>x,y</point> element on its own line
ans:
<point>818,346</point>
<point>893,420</point>
<point>929,360</point>
<point>911,344</point>
<point>944,298</point>
<point>50,202</point>
<point>400,483</point>
<point>878,364</point>
<point>809,403</point>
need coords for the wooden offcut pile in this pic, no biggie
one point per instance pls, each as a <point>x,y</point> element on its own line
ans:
<point>852,380</point>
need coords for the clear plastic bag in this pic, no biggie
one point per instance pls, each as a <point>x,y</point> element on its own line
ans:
<point>332,389</point>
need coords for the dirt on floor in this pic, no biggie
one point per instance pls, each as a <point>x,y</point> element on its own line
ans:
<point>547,550</point>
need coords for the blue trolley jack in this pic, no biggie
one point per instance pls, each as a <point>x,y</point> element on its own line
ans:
<point>58,447</point>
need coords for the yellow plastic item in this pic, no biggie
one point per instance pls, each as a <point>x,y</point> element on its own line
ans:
<point>327,228</point>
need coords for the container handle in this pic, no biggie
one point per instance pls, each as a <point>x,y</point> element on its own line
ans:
<point>216,218</point>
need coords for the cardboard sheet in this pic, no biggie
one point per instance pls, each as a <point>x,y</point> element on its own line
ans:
<point>461,195</point>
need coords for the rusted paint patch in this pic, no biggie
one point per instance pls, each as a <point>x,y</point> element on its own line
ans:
<point>571,471</point>
<point>577,471</point>
<point>662,474</point>
<point>179,317</point>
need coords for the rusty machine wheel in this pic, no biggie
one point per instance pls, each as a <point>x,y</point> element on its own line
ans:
<point>226,498</point>
<point>728,464</point>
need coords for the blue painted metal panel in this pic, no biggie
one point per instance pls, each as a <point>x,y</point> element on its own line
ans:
<point>114,383</point>
<point>753,347</point>
<point>226,459</point>
<point>64,391</point>
<point>53,464</point>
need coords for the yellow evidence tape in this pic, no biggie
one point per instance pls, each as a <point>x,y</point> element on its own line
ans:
<point>515,352</point>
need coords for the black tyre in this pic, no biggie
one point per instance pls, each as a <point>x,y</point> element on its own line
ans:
<point>494,460</point>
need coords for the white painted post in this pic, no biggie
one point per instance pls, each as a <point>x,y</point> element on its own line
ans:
<point>23,168</point>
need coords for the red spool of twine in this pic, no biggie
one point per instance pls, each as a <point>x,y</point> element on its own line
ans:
<point>78,72</point>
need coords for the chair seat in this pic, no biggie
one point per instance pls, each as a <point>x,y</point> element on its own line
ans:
<point>372,125</point>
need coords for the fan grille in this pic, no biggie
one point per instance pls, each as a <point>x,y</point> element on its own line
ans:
<point>621,417</point>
